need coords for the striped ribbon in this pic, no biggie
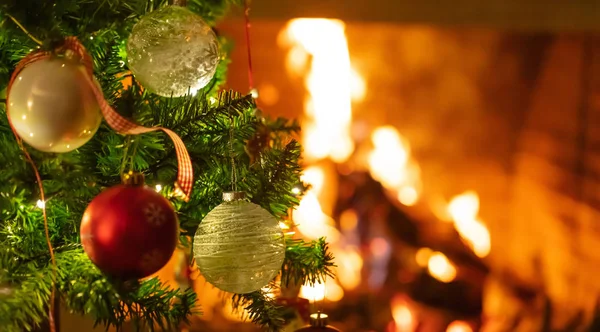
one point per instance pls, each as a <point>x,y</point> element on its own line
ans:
<point>185,174</point>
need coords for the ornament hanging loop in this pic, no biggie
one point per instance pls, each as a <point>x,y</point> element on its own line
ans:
<point>232,153</point>
<point>133,178</point>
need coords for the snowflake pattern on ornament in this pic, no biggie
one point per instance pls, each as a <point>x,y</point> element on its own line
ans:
<point>155,215</point>
<point>150,261</point>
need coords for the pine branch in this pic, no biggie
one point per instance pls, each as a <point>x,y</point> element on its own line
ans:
<point>112,303</point>
<point>262,309</point>
<point>279,173</point>
<point>306,262</point>
<point>229,103</point>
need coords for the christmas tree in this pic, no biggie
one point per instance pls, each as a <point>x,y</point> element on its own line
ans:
<point>46,186</point>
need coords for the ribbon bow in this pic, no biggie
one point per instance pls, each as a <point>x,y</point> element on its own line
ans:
<point>185,173</point>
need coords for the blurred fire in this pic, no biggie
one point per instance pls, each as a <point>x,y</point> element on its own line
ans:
<point>315,176</point>
<point>390,163</point>
<point>438,265</point>
<point>312,222</point>
<point>319,53</point>
<point>349,265</point>
<point>459,326</point>
<point>329,81</point>
<point>441,268</point>
<point>422,256</point>
<point>404,319</point>
<point>408,196</point>
<point>329,290</point>
<point>314,292</point>
<point>464,209</point>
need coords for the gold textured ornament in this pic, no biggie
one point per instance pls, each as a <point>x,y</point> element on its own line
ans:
<point>52,107</point>
<point>239,247</point>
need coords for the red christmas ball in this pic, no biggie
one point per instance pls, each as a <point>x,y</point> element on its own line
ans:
<point>129,231</point>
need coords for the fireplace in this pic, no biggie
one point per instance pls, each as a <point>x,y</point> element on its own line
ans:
<point>453,168</point>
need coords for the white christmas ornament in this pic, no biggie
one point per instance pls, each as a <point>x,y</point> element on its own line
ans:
<point>239,246</point>
<point>52,107</point>
<point>172,51</point>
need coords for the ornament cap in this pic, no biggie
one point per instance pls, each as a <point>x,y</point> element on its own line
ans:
<point>319,319</point>
<point>133,178</point>
<point>231,196</point>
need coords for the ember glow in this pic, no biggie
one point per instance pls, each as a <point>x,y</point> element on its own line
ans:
<point>404,319</point>
<point>464,209</point>
<point>459,326</point>
<point>441,268</point>
<point>422,256</point>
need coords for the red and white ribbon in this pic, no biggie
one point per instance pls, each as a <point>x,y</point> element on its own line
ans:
<point>185,174</point>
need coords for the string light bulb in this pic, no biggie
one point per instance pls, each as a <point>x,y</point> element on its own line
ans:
<point>158,188</point>
<point>41,204</point>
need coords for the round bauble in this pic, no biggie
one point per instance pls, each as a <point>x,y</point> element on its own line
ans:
<point>129,231</point>
<point>172,51</point>
<point>52,106</point>
<point>239,247</point>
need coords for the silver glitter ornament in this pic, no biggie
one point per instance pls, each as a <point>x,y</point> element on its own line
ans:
<point>239,246</point>
<point>172,51</point>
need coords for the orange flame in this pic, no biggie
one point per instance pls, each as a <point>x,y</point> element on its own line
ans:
<point>404,319</point>
<point>422,256</point>
<point>314,292</point>
<point>459,326</point>
<point>330,290</point>
<point>390,163</point>
<point>349,266</point>
<point>441,268</point>
<point>318,50</point>
<point>464,209</point>
<point>312,222</point>
<point>330,83</point>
